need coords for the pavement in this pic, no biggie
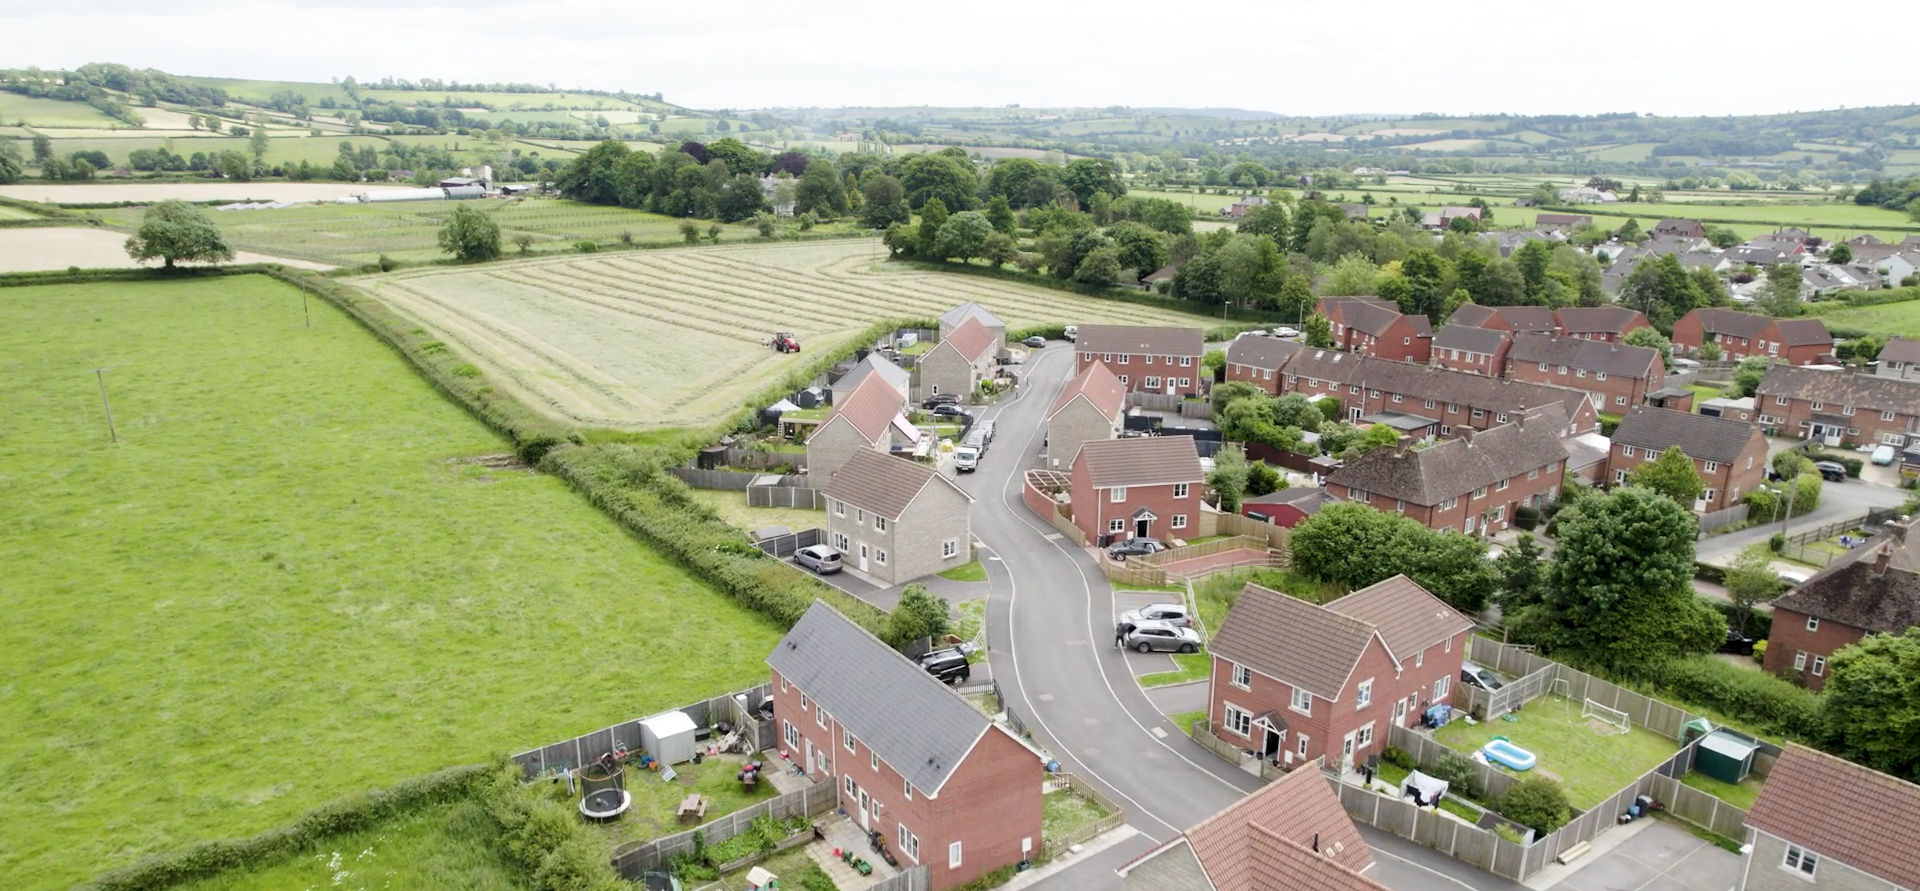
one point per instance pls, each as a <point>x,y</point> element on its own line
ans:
<point>1050,623</point>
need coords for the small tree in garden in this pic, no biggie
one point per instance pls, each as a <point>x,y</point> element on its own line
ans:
<point>177,231</point>
<point>1672,475</point>
<point>1538,803</point>
<point>919,615</point>
<point>470,234</point>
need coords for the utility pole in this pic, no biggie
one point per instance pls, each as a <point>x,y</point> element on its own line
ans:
<point>303,306</point>
<point>100,374</point>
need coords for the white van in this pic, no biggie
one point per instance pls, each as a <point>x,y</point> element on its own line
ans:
<point>966,459</point>
<point>1072,332</point>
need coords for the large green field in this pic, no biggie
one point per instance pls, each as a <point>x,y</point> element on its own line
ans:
<point>37,112</point>
<point>1902,319</point>
<point>288,580</point>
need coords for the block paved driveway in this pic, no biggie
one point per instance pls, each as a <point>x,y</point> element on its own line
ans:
<point>1661,857</point>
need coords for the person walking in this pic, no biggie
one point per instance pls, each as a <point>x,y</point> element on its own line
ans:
<point>1120,633</point>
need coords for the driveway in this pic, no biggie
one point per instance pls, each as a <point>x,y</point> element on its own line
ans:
<point>1050,625</point>
<point>1660,856</point>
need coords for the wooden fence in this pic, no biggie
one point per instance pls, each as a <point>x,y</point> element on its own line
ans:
<point>1726,516</point>
<point>783,546</point>
<point>758,459</point>
<point>915,879</point>
<point>800,497</point>
<point>1114,815</point>
<point>1437,830</point>
<point>584,749</point>
<point>633,859</point>
<point>736,480</point>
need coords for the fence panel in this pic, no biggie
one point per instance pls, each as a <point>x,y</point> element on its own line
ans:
<point>632,860</point>
<point>714,479</point>
<point>915,879</point>
<point>583,749</point>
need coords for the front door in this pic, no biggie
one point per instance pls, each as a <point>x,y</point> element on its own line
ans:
<point>1270,741</point>
<point>863,556</point>
<point>1353,414</point>
<point>808,764</point>
<point>1400,713</point>
<point>1346,753</point>
<point>866,805</point>
<point>1139,528</point>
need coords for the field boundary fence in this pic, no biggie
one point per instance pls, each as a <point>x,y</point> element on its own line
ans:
<point>634,859</point>
<point>734,480</point>
<point>784,546</point>
<point>739,708</point>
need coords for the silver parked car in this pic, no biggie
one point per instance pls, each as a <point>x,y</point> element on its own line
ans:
<point>819,558</point>
<point>1170,613</point>
<point>1149,636</point>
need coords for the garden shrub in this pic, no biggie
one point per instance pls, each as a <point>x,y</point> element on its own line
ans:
<point>1397,758</point>
<point>1767,703</point>
<point>1526,517</point>
<point>1776,542</point>
<point>1851,463</point>
<point>1538,803</point>
<point>1760,651</point>
<point>1759,622</point>
<point>586,246</point>
<point>1456,771</point>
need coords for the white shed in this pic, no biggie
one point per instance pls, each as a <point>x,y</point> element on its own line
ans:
<point>668,736</point>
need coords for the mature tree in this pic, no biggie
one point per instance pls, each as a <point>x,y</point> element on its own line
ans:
<point>1142,249</point>
<point>10,163</point>
<point>1840,253</point>
<point>1262,479</point>
<point>1501,284</point>
<point>1086,176</point>
<point>1317,331</point>
<point>919,614</point>
<point>1629,232</point>
<point>1100,207</point>
<point>963,235</point>
<point>740,157</point>
<point>1101,266</point>
<point>738,198</point>
<point>235,166</point>
<point>1000,214</point>
<point>1353,275</point>
<point>821,190</point>
<point>1747,374</point>
<point>1653,340</point>
<point>790,163</point>
<point>1722,237</point>
<point>1750,580</point>
<point>1672,475</point>
<point>1781,294</point>
<point>1532,258</point>
<point>1354,545</point>
<point>633,179</point>
<point>1873,703</point>
<point>42,148</point>
<point>1620,590</point>
<point>1023,182</point>
<point>1428,277</point>
<point>1267,219</point>
<point>999,249</point>
<point>470,234</point>
<point>883,202</point>
<point>594,175</point>
<point>1522,575</point>
<point>257,143</point>
<point>176,231</point>
<point>1536,802</point>
<point>1234,391</point>
<point>1297,411</point>
<point>927,177</point>
<point>1229,478</point>
<point>1661,288</point>
<point>932,216</point>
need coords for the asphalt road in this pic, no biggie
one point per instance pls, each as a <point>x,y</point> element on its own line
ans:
<point>1838,501</point>
<point>1050,618</point>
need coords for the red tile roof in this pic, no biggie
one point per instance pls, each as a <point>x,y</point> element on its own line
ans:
<point>1842,811</point>
<point>871,406</point>
<point>1141,461</point>
<point>1265,840</point>
<point>1101,389</point>
<point>1291,640</point>
<point>971,339</point>
<point>1409,619</point>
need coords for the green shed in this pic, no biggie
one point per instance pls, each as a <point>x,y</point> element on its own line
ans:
<point>1726,757</point>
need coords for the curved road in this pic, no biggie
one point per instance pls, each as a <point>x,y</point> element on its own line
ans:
<point>1050,616</point>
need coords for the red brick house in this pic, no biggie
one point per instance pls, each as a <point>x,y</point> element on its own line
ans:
<point>1680,229</point>
<point>1292,833</point>
<point>1139,487</point>
<point>1839,408</point>
<point>1459,401</point>
<point>1471,484</point>
<point>1294,681</point>
<point>1743,334</point>
<point>1729,455</point>
<point>1473,350</point>
<point>1286,507</point>
<point>1874,589</point>
<point>1615,376</point>
<point>947,787</point>
<point>1518,319</point>
<point>1608,323</point>
<point>1148,359</point>
<point>1823,823</point>
<point>1258,360</point>
<point>1377,328</point>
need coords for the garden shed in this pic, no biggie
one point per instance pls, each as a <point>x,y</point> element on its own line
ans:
<point>1725,756</point>
<point>668,736</point>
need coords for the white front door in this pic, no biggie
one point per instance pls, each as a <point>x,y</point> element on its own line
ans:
<point>1400,713</point>
<point>863,556</point>
<point>808,764</point>
<point>1346,753</point>
<point>866,804</point>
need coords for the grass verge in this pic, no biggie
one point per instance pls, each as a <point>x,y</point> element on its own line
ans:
<point>971,571</point>
<point>1192,667</point>
<point>1184,720</point>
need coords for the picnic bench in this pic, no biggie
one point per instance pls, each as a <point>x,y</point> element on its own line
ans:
<point>694,806</point>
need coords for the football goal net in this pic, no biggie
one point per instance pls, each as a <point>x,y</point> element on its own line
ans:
<point>1612,717</point>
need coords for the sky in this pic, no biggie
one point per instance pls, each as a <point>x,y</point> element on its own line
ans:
<point>1290,57</point>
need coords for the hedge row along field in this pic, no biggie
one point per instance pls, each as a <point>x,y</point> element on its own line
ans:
<point>672,338</point>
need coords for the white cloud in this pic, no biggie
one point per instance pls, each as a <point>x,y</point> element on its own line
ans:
<point>1286,56</point>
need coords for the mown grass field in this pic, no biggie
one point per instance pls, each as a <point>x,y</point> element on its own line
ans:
<point>1902,319</point>
<point>669,338</point>
<point>38,112</point>
<point>287,581</point>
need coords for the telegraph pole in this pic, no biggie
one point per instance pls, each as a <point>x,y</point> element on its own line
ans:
<point>100,374</point>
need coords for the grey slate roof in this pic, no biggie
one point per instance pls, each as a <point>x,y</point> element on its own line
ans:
<point>896,377</point>
<point>1850,592</point>
<point>1408,618</point>
<point>1865,392</point>
<point>1261,352</point>
<point>1900,349</point>
<point>1454,467</point>
<point>1701,437</point>
<point>1579,352</point>
<point>883,484</point>
<point>1729,321</point>
<point>1459,387</point>
<point>1485,341</point>
<point>1801,332</point>
<point>1599,319</point>
<point>1291,640</point>
<point>970,310</point>
<point>912,721</point>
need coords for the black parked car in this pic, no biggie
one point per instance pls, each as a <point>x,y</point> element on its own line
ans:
<point>940,399</point>
<point>948,665</point>
<point>1135,547</point>
<point>1737,643</point>
<point>949,410</point>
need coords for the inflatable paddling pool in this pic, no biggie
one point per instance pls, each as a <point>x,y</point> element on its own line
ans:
<point>1505,753</point>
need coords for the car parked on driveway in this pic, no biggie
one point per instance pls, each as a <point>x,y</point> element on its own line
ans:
<point>1474,675</point>
<point>1148,637</point>
<point>948,665</point>
<point>1882,455</point>
<point>1035,341</point>
<point>1831,471</point>
<point>939,399</point>
<point>949,410</point>
<point>819,558</point>
<point>1134,547</point>
<point>1170,613</point>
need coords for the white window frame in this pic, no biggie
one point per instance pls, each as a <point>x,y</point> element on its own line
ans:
<point>880,556</point>
<point>1364,738</point>
<point>791,734</point>
<point>1179,490</point>
<point>849,785</point>
<point>1800,861</point>
<point>1819,665</point>
<point>1116,494</point>
<point>909,843</point>
<point>1599,375</point>
<point>1712,466</point>
<point>1800,661</point>
<point>1240,676</point>
<point>1363,694</point>
<point>953,856</point>
<point>1441,687</point>
<point>853,744</point>
<point>879,523</point>
<point>1179,521</point>
<point>906,788</point>
<point>1116,526</point>
<point>950,548</point>
<point>1236,720</point>
<point>839,508</point>
<point>1813,623</point>
<point>873,760</point>
<point>1300,696</point>
<point>1300,745</point>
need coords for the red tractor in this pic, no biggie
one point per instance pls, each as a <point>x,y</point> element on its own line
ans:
<point>784,342</point>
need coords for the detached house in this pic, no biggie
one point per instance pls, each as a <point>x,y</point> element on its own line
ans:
<point>1838,408</point>
<point>1378,328</point>
<point>959,362</point>
<point>1145,359</point>
<point>896,519</point>
<point>952,319</point>
<point>1561,222</point>
<point>1743,334</point>
<point>1142,487</point>
<point>868,420</point>
<point>1472,350</point>
<point>941,782</point>
<point>874,364</point>
<point>1608,323</point>
<point>1899,360</point>
<point>1294,681</point>
<point>1729,455</point>
<point>1822,822</point>
<point>1874,589</point>
<point>1471,484</point>
<point>1680,229</point>
<point>1090,408</point>
<point>1290,834</point>
<point>1258,360</point>
<point>1614,375</point>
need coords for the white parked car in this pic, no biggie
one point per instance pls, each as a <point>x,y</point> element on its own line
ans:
<point>1284,331</point>
<point>1882,455</point>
